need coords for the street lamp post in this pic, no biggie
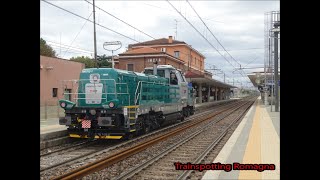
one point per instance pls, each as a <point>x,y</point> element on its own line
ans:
<point>115,44</point>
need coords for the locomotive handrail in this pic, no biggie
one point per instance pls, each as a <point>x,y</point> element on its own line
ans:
<point>103,81</point>
<point>93,93</point>
<point>136,95</point>
<point>137,98</point>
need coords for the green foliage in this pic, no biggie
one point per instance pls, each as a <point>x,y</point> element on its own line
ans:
<point>45,49</point>
<point>103,61</point>
<point>89,63</point>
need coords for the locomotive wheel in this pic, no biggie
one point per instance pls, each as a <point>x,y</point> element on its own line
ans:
<point>181,116</point>
<point>146,129</point>
<point>187,113</point>
<point>130,136</point>
<point>146,124</point>
<point>191,111</point>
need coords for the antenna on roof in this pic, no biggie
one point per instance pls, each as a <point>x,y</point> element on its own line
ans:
<point>176,32</point>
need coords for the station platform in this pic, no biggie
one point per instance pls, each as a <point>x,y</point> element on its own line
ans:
<point>255,141</point>
<point>50,125</point>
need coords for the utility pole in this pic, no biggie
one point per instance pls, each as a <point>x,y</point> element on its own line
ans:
<point>94,32</point>
<point>276,76</point>
<point>224,77</point>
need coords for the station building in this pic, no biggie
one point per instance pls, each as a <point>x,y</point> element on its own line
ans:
<point>52,72</point>
<point>167,51</point>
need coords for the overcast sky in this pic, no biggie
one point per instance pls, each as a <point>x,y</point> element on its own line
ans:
<point>238,25</point>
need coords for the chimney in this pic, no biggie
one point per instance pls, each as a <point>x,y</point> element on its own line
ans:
<point>170,39</point>
<point>155,68</point>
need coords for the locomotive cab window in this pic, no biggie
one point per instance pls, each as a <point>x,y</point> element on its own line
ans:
<point>182,77</point>
<point>159,72</point>
<point>173,78</point>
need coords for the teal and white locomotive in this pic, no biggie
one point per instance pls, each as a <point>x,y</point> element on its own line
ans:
<point>115,104</point>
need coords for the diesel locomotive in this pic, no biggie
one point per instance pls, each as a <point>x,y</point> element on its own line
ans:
<point>115,104</point>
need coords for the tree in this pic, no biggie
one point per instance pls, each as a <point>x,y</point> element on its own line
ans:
<point>45,49</point>
<point>103,61</point>
<point>89,63</point>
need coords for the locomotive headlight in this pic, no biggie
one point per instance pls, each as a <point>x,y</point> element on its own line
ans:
<point>113,103</point>
<point>93,112</point>
<point>63,104</point>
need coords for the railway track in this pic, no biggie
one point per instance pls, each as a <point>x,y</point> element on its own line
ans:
<point>71,143</point>
<point>193,149</point>
<point>63,147</point>
<point>144,142</point>
<point>79,154</point>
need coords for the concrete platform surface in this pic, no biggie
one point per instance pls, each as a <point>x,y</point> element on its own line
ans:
<point>255,141</point>
<point>50,125</point>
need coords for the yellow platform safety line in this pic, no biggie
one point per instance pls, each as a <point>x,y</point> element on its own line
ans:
<point>96,137</point>
<point>132,118</point>
<point>132,106</point>
<point>132,124</point>
<point>252,154</point>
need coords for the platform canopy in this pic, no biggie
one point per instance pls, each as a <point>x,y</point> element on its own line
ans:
<point>210,82</point>
<point>257,78</point>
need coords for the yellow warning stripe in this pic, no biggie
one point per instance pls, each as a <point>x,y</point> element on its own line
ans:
<point>96,137</point>
<point>253,150</point>
<point>131,106</point>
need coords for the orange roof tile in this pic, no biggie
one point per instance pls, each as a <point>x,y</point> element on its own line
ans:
<point>157,42</point>
<point>143,50</point>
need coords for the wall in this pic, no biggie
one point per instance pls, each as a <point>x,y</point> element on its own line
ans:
<point>142,62</point>
<point>197,61</point>
<point>51,78</point>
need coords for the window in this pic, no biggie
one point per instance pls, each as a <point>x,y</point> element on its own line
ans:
<point>54,92</point>
<point>173,78</point>
<point>182,77</point>
<point>67,96</point>
<point>177,54</point>
<point>159,72</point>
<point>148,71</point>
<point>130,67</point>
<point>163,49</point>
<point>178,74</point>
